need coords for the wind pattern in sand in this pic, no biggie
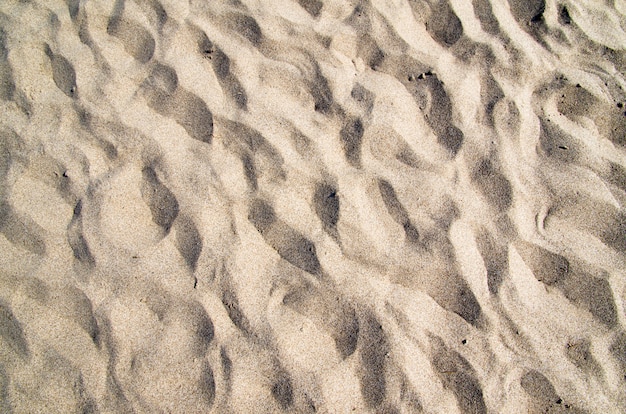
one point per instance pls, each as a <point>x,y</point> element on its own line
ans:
<point>259,206</point>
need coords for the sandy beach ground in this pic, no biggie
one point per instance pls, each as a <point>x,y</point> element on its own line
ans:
<point>313,206</point>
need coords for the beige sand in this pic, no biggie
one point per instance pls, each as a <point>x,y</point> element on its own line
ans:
<point>333,206</point>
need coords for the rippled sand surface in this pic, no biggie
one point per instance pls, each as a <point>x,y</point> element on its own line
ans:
<point>263,206</point>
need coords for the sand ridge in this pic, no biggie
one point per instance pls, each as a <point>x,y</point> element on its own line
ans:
<point>312,206</point>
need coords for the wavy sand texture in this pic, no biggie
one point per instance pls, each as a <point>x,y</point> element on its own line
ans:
<point>390,206</point>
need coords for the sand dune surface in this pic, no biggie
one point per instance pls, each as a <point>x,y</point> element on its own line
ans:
<point>333,206</point>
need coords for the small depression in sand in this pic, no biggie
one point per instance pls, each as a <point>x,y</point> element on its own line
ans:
<point>125,219</point>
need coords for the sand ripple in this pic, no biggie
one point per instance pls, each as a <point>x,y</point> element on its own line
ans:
<point>313,206</point>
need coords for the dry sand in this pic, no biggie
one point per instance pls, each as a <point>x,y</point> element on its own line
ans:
<point>259,206</point>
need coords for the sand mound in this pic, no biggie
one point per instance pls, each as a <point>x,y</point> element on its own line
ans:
<point>312,206</point>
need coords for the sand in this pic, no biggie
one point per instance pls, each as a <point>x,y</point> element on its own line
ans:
<point>333,206</point>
